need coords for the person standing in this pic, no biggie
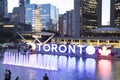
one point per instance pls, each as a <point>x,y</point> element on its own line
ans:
<point>6,75</point>
<point>9,72</point>
<point>45,77</point>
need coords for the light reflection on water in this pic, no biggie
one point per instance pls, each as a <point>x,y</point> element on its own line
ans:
<point>104,69</point>
<point>69,68</point>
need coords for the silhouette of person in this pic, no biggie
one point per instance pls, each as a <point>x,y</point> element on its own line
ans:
<point>9,76</point>
<point>45,77</point>
<point>6,75</point>
<point>17,78</point>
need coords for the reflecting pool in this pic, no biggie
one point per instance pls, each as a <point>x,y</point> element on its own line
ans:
<point>34,66</point>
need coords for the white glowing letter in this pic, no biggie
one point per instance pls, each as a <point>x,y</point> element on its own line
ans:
<point>54,47</point>
<point>71,48</point>
<point>46,47</point>
<point>81,46</point>
<point>39,46</point>
<point>64,50</point>
<point>90,50</point>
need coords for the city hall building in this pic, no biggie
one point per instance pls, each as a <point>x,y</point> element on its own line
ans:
<point>90,14</point>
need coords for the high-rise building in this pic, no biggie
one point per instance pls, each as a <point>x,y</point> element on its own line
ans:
<point>49,15</point>
<point>3,9</point>
<point>91,14</point>
<point>23,2</point>
<point>61,18</point>
<point>115,13</point>
<point>36,20</point>
<point>29,13</point>
<point>87,16</point>
<point>32,17</point>
<point>66,23</point>
<point>70,22</point>
<point>18,15</point>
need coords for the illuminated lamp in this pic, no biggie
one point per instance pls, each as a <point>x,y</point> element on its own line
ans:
<point>90,50</point>
<point>104,51</point>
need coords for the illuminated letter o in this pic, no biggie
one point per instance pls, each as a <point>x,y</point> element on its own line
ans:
<point>62,46</point>
<point>90,50</point>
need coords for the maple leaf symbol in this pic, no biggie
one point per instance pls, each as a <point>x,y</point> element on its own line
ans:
<point>104,51</point>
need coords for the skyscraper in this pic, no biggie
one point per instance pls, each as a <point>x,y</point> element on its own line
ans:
<point>30,14</point>
<point>3,9</point>
<point>49,16</point>
<point>87,16</point>
<point>115,13</point>
<point>36,20</point>
<point>23,2</point>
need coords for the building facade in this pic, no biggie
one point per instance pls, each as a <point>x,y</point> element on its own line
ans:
<point>37,23</point>
<point>66,22</point>
<point>18,15</point>
<point>49,16</point>
<point>3,9</point>
<point>23,2</point>
<point>29,11</point>
<point>87,16</point>
<point>32,16</point>
<point>115,13</point>
<point>8,30</point>
<point>61,24</point>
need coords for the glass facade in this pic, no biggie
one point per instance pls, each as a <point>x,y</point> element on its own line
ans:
<point>29,8</point>
<point>37,24</point>
<point>49,16</point>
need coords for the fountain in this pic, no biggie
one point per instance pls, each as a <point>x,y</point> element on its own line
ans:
<point>48,62</point>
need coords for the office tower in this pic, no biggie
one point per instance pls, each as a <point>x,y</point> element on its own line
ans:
<point>69,22</point>
<point>32,17</point>
<point>29,14</point>
<point>23,2</point>
<point>49,16</point>
<point>3,9</point>
<point>18,15</point>
<point>115,13</point>
<point>37,25</point>
<point>87,16</point>
<point>66,23</point>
